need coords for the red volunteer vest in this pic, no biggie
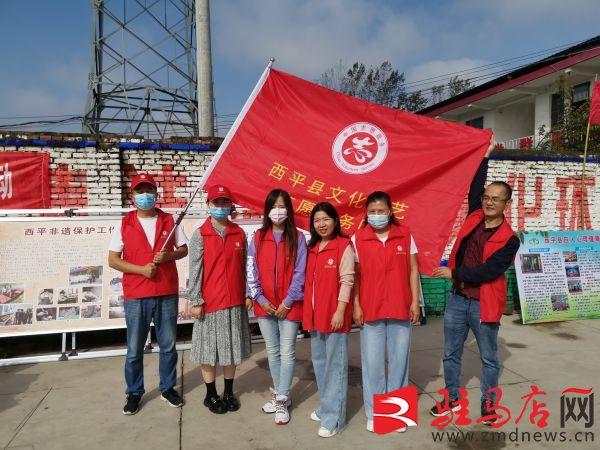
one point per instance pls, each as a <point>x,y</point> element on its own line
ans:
<point>223,283</point>
<point>492,294</point>
<point>137,250</point>
<point>384,274</point>
<point>275,273</point>
<point>323,279</point>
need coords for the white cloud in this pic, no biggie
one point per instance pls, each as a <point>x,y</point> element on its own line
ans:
<point>309,37</point>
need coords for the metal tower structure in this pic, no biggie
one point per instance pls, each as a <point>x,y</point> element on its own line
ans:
<point>143,73</point>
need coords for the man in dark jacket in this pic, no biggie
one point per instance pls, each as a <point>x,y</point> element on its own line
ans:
<point>484,249</point>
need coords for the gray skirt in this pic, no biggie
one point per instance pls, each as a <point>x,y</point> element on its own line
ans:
<point>222,338</point>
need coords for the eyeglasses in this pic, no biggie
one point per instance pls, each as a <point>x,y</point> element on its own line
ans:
<point>494,200</point>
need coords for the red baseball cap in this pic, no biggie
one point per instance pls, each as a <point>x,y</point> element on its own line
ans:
<point>142,178</point>
<point>219,191</point>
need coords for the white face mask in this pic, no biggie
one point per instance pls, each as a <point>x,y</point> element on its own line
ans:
<point>278,215</point>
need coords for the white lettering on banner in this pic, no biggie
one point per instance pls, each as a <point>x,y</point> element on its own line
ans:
<point>5,182</point>
<point>359,148</point>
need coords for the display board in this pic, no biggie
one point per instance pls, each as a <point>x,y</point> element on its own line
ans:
<point>54,275</point>
<point>558,274</point>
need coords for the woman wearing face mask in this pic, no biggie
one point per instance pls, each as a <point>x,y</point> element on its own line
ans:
<point>275,280</point>
<point>217,286</point>
<point>386,301</point>
<point>328,314</point>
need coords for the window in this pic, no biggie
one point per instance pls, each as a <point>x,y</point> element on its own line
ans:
<point>475,123</point>
<point>557,110</point>
<point>581,93</point>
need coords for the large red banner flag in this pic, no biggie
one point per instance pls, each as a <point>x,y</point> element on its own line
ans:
<point>24,180</point>
<point>595,104</point>
<point>321,145</point>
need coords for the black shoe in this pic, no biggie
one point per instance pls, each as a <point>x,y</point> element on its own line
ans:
<point>133,405</point>
<point>439,412</point>
<point>485,411</point>
<point>232,403</point>
<point>172,398</point>
<point>215,405</point>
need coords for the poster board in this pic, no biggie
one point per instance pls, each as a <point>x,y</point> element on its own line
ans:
<point>558,275</point>
<point>54,275</point>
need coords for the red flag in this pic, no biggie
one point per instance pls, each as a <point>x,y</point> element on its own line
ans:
<point>24,182</point>
<point>595,105</point>
<point>321,145</point>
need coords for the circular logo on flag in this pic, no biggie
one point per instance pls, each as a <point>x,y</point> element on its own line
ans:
<point>359,148</point>
<point>330,261</point>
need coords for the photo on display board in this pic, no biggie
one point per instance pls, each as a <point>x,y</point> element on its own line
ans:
<point>12,293</point>
<point>116,313</point>
<point>91,312</point>
<point>570,256</point>
<point>15,314</point>
<point>85,275</point>
<point>46,297</point>
<point>574,286</point>
<point>45,314</point>
<point>572,271</point>
<point>68,312</point>
<point>560,302</point>
<point>115,301</point>
<point>531,263</point>
<point>116,284</point>
<point>68,295</point>
<point>91,294</point>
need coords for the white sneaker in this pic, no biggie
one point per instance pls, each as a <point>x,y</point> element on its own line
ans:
<point>325,433</point>
<point>269,407</point>
<point>313,416</point>
<point>370,426</point>
<point>401,430</point>
<point>282,416</point>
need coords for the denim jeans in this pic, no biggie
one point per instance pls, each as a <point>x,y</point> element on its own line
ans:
<point>461,315</point>
<point>330,362</point>
<point>373,339</point>
<point>139,313</point>
<point>280,340</point>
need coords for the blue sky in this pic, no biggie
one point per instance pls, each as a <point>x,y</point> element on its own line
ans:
<point>46,44</point>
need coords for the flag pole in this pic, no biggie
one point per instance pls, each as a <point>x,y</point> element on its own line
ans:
<point>222,148</point>
<point>585,150</point>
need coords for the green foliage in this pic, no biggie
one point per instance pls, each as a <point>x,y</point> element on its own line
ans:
<point>569,133</point>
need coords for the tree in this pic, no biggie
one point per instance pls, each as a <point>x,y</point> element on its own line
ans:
<point>385,85</point>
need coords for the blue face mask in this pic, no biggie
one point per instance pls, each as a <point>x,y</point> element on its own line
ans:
<point>378,221</point>
<point>144,201</point>
<point>219,213</point>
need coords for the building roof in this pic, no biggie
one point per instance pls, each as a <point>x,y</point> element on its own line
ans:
<point>590,48</point>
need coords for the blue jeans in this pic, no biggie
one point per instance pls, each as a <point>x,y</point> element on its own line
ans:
<point>138,315</point>
<point>280,340</point>
<point>461,315</point>
<point>330,362</point>
<point>373,339</point>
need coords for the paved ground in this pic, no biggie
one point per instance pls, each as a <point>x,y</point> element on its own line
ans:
<point>77,404</point>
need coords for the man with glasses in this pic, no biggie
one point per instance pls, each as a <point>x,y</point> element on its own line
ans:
<point>484,249</point>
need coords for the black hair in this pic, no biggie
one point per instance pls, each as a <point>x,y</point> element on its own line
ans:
<point>506,187</point>
<point>330,210</point>
<point>381,196</point>
<point>289,230</point>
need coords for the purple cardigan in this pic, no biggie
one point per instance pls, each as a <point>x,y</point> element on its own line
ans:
<point>295,292</point>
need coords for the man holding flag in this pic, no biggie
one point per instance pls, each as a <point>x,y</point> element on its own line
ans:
<point>484,249</point>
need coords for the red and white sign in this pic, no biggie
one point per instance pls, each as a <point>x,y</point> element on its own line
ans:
<point>320,145</point>
<point>24,180</point>
<point>395,410</point>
